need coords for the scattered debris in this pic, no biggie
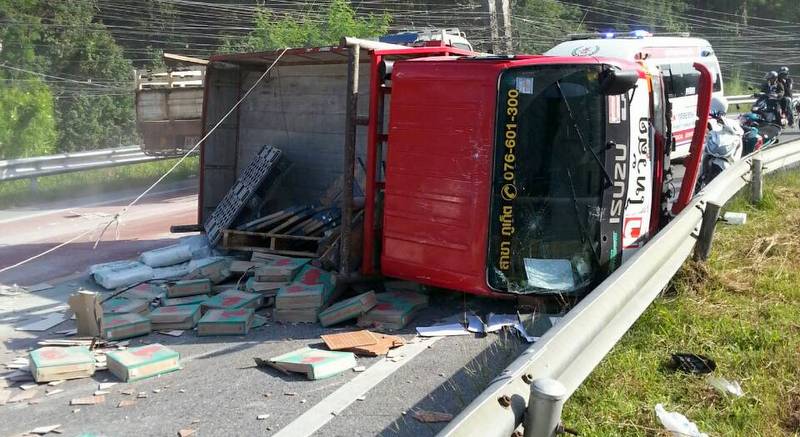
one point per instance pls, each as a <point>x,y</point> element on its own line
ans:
<point>425,416</point>
<point>53,391</point>
<point>524,333</point>
<point>692,363</point>
<point>143,362</point>
<point>734,218</point>
<point>290,393</point>
<point>121,326</point>
<point>315,363</point>
<point>384,345</point>
<point>172,333</point>
<point>303,401</point>
<point>56,382</point>
<point>101,392</point>
<point>394,309</point>
<point>166,256</point>
<point>22,396</point>
<point>186,432</point>
<point>43,324</point>
<point>120,273</point>
<point>186,300</point>
<point>359,369</point>
<point>475,324</point>
<point>677,423</point>
<point>75,410</point>
<point>129,391</point>
<point>262,417</point>
<point>225,322</point>
<point>141,395</point>
<point>347,340</point>
<point>725,386</point>
<point>189,287</point>
<point>156,390</point>
<point>122,305</point>
<point>348,309</point>
<point>361,398</point>
<point>175,317</point>
<point>42,286</point>
<point>126,403</point>
<point>235,299</point>
<point>68,332</point>
<point>28,386</point>
<point>42,430</point>
<point>90,400</point>
<point>59,363</point>
<point>88,313</point>
<point>496,322</point>
<point>443,330</point>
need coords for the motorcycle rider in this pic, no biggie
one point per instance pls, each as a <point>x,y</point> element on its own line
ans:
<point>723,145</point>
<point>771,90</point>
<point>786,102</point>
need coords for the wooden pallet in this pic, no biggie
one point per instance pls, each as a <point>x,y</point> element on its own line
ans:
<point>281,244</point>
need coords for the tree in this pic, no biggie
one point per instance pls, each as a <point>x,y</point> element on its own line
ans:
<point>541,24</point>
<point>274,31</point>
<point>60,45</point>
<point>27,124</point>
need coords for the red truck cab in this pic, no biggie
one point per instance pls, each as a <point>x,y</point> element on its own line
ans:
<point>517,175</point>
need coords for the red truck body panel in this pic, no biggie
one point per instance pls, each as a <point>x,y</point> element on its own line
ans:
<point>439,157</point>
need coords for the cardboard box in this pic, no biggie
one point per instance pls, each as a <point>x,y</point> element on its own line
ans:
<point>280,270</point>
<point>225,322</point>
<point>122,326</point>
<point>190,287</point>
<point>315,363</point>
<point>394,309</point>
<point>311,275</point>
<point>298,296</point>
<point>148,292</point>
<point>234,299</point>
<point>295,316</point>
<point>121,305</point>
<point>263,288</point>
<point>58,363</point>
<point>215,270</point>
<point>143,362</point>
<point>175,317</point>
<point>348,309</point>
<point>187,300</point>
<point>385,342</point>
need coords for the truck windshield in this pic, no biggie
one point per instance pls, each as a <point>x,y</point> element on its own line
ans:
<point>548,180</point>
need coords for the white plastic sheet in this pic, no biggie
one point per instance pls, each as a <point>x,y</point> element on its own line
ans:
<point>167,256</point>
<point>120,273</point>
<point>677,423</point>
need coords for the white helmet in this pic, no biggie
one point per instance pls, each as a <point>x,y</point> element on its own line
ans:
<point>719,105</point>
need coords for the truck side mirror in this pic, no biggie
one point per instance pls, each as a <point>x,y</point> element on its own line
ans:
<point>615,82</point>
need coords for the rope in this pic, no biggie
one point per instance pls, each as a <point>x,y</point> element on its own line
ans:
<point>118,216</point>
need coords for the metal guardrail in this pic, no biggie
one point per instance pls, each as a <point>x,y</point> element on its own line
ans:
<point>570,350</point>
<point>746,99</point>
<point>34,167</point>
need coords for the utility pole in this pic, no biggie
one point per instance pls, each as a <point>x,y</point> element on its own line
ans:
<point>493,26</point>
<point>506,9</point>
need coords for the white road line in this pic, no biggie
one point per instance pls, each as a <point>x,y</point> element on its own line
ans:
<point>321,413</point>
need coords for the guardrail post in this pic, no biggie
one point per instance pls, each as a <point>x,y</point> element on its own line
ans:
<point>756,182</point>
<point>34,185</point>
<point>543,418</point>
<point>702,248</point>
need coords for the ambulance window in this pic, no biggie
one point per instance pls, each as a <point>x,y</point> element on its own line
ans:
<point>680,79</point>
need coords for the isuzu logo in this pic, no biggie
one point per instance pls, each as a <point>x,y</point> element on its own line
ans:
<point>619,178</point>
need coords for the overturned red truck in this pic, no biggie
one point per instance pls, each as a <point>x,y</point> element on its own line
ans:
<point>492,175</point>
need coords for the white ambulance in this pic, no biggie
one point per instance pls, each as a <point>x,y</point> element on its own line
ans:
<point>673,55</point>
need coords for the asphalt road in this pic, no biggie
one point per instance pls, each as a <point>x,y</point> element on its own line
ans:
<point>218,392</point>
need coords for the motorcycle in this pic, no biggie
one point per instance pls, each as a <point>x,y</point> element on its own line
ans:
<point>723,148</point>
<point>758,133</point>
<point>768,107</point>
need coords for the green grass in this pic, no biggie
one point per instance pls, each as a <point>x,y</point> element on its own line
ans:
<point>742,309</point>
<point>19,192</point>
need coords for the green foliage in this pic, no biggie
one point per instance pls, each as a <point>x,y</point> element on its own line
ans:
<point>27,125</point>
<point>541,24</point>
<point>60,46</point>
<point>273,31</point>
